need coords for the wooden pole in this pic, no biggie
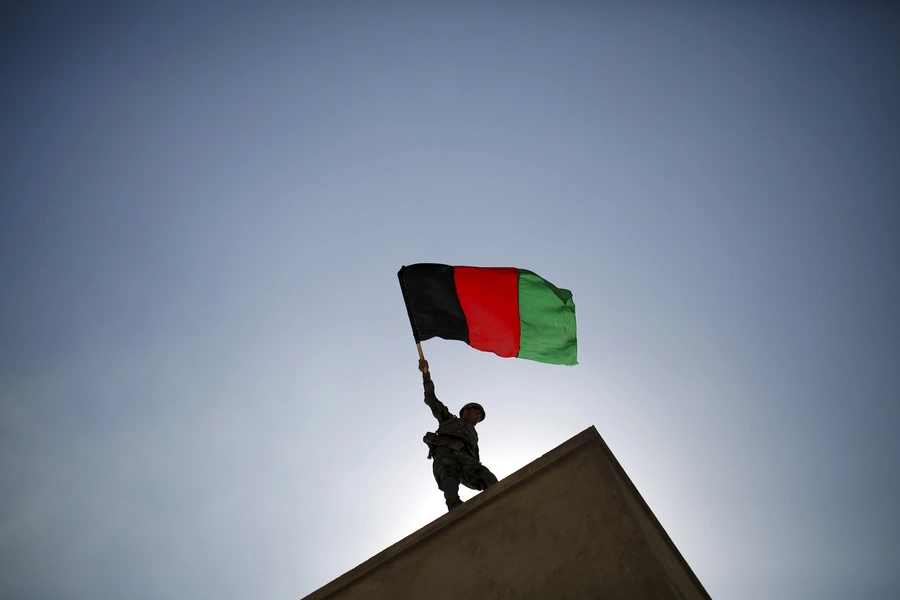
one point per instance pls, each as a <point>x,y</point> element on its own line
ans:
<point>419,348</point>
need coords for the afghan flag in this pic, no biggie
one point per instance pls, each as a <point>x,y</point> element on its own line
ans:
<point>510,312</point>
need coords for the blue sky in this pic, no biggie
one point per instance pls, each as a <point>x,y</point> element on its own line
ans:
<point>208,384</point>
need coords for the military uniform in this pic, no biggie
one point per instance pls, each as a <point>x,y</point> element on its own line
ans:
<point>454,450</point>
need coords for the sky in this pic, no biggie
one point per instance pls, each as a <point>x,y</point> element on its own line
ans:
<point>208,381</point>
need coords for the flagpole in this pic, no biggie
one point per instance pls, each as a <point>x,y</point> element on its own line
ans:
<point>419,348</point>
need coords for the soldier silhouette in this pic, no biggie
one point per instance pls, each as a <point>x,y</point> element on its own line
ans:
<point>454,446</point>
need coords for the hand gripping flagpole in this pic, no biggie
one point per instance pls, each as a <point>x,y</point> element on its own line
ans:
<point>412,322</point>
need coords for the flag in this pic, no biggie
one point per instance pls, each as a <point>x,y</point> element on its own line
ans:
<point>510,312</point>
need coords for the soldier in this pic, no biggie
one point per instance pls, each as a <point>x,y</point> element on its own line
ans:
<point>454,447</point>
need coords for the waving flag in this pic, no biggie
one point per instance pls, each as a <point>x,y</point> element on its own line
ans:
<point>510,312</point>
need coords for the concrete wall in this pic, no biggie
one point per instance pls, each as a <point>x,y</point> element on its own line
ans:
<point>569,526</point>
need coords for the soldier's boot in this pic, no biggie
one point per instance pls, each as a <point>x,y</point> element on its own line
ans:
<point>487,478</point>
<point>453,503</point>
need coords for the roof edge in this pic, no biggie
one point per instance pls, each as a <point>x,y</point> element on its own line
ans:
<point>502,487</point>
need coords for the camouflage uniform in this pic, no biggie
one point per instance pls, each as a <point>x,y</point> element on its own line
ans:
<point>454,448</point>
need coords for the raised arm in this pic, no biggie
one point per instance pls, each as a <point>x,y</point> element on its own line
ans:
<point>437,407</point>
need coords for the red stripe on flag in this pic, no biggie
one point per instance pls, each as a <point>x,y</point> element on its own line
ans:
<point>490,300</point>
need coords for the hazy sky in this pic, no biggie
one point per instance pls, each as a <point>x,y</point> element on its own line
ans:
<point>207,374</point>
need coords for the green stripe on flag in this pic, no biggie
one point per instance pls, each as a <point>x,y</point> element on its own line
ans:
<point>547,316</point>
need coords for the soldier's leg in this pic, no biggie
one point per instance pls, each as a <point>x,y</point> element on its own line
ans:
<point>474,475</point>
<point>447,476</point>
<point>450,486</point>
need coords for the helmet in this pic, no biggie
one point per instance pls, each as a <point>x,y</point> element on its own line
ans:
<point>473,405</point>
